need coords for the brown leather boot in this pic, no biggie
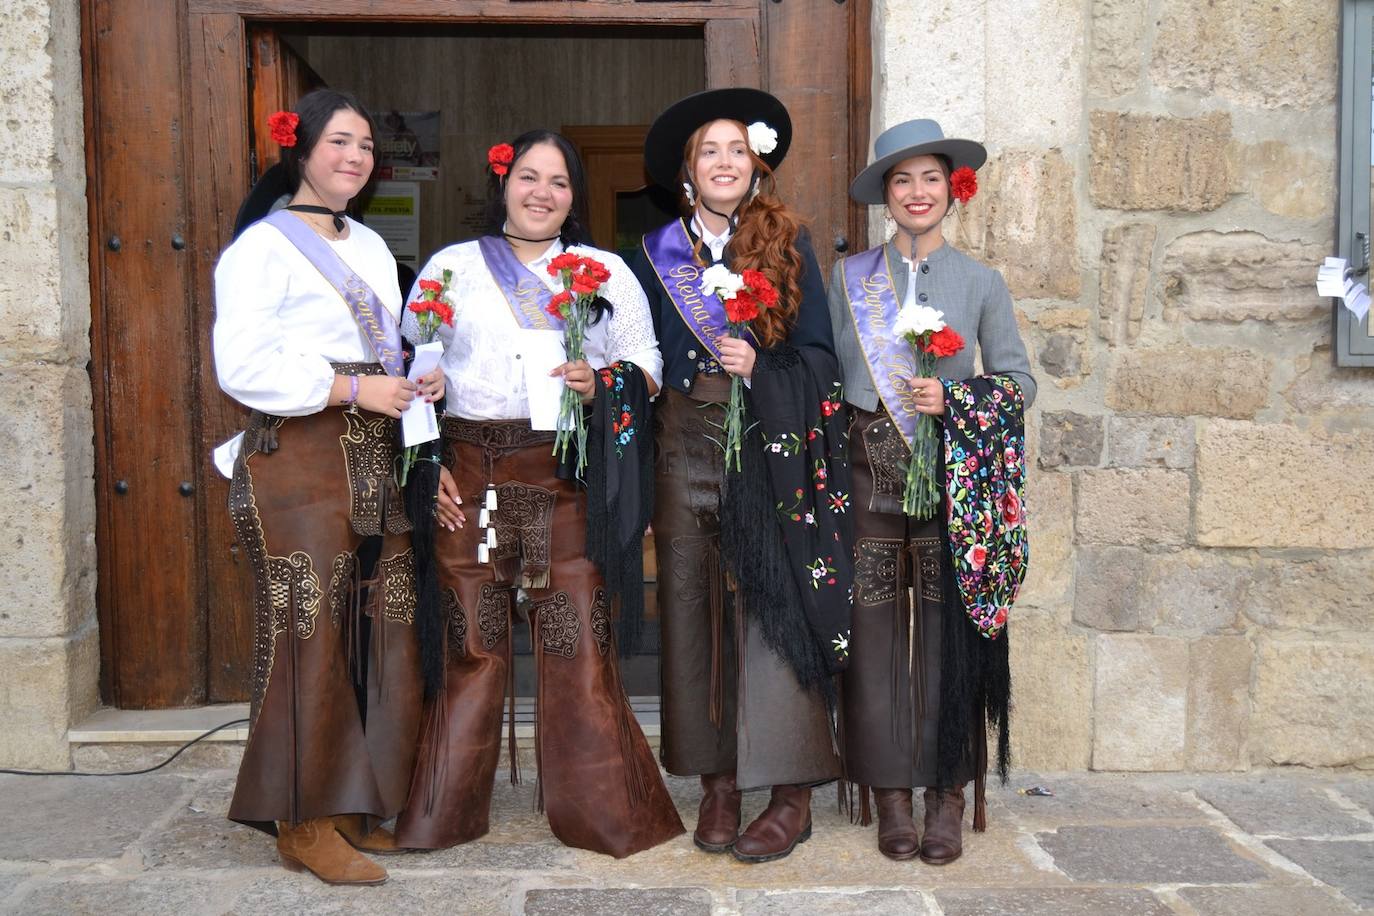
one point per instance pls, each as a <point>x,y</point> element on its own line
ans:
<point>718,818</point>
<point>944,839</point>
<point>897,838</point>
<point>777,831</point>
<point>378,842</point>
<point>316,845</point>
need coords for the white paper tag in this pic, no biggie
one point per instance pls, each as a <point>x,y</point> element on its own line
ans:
<point>418,420</point>
<point>541,352</point>
<point>1357,300</point>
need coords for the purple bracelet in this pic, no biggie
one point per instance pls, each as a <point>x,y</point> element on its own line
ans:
<point>352,391</point>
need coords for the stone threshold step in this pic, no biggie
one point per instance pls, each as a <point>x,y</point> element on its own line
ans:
<point>177,726</point>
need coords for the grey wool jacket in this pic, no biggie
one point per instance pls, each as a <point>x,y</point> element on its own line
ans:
<point>976,304</point>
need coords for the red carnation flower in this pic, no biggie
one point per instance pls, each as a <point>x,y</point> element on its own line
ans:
<point>499,157</point>
<point>944,342</point>
<point>596,270</point>
<point>431,286</point>
<point>559,303</point>
<point>963,184</point>
<point>282,124</point>
<point>565,261</point>
<point>744,306</point>
<point>584,284</point>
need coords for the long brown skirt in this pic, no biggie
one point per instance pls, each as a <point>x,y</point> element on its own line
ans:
<point>598,780</point>
<point>306,492</point>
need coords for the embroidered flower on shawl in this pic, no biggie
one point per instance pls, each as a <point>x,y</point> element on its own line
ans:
<point>841,644</point>
<point>283,124</point>
<point>963,184</point>
<point>762,138</point>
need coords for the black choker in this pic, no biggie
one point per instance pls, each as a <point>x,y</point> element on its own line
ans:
<point>521,238</point>
<point>324,211</point>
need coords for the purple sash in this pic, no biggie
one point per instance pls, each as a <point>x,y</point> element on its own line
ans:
<point>377,324</point>
<point>873,305</point>
<point>527,295</point>
<point>669,250</point>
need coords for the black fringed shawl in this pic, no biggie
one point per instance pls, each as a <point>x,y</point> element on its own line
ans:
<point>786,534</point>
<point>984,526</point>
<point>620,490</point>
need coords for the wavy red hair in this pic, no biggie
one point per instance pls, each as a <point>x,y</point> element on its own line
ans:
<point>764,240</point>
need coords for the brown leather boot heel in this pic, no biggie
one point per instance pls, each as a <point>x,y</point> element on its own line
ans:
<point>718,817</point>
<point>897,837</point>
<point>944,839</point>
<point>316,845</point>
<point>784,824</point>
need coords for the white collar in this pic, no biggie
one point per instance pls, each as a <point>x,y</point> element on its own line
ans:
<point>715,242</point>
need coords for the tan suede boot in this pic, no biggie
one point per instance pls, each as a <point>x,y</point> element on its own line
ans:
<point>316,845</point>
<point>379,842</point>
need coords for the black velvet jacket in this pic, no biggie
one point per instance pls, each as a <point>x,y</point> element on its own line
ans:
<point>680,347</point>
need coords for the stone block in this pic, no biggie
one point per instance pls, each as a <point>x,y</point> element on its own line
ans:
<point>1124,281</point>
<point>652,901</point>
<point>1068,438</point>
<point>28,132</point>
<point>1079,798</point>
<point>1063,355</point>
<point>1149,162</point>
<point>1108,587</point>
<point>1276,803</point>
<point>1313,703</point>
<point>1049,512</point>
<point>1286,181</point>
<point>1052,728</point>
<point>1189,381</point>
<point>1140,706</point>
<point>47,522</point>
<point>1115,52</point>
<point>1150,442</point>
<point>1344,864</point>
<point>1265,901</point>
<point>1358,789</point>
<point>280,891</point>
<point>48,684</point>
<point>1272,485</point>
<point>1132,506</point>
<point>1320,389</point>
<point>1059,319</point>
<point>1219,703</point>
<point>832,903</point>
<point>942,44</point>
<point>1178,592</point>
<point>1034,72</point>
<point>1274,55</point>
<point>1149,855</point>
<point>1032,226</point>
<point>143,896</point>
<point>1234,276</point>
<point>1058,901</point>
<point>1323,594</point>
<point>44,283</point>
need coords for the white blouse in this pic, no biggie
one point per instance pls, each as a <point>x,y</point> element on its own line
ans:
<point>279,324</point>
<point>485,377</point>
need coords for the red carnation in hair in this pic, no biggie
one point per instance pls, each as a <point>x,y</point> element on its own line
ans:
<point>963,184</point>
<point>282,124</point>
<point>499,157</point>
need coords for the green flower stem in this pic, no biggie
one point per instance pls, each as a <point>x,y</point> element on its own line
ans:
<point>734,411</point>
<point>921,495</point>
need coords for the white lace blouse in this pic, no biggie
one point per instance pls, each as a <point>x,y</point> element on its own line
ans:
<point>279,324</point>
<point>482,364</point>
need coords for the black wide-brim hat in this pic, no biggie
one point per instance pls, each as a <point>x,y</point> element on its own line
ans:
<point>922,137</point>
<point>668,135</point>
<point>262,199</point>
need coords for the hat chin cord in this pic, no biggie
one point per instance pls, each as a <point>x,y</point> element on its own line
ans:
<point>732,218</point>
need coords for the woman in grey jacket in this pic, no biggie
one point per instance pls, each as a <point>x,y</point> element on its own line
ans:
<point>905,725</point>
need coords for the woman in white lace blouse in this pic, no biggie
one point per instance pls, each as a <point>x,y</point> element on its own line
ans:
<point>598,780</point>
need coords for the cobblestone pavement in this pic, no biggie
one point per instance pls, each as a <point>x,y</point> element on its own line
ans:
<point>1260,844</point>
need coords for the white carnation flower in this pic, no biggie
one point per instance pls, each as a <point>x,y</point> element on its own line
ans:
<point>717,280</point>
<point>762,138</point>
<point>915,320</point>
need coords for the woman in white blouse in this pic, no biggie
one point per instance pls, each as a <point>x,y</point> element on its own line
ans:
<point>598,780</point>
<point>306,335</point>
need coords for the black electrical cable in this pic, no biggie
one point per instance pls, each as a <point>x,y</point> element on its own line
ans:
<point>159,766</point>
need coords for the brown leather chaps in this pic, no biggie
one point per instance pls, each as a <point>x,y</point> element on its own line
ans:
<point>598,780</point>
<point>306,491</point>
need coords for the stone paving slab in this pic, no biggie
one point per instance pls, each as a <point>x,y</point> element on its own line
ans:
<point>145,896</point>
<point>1285,806</point>
<point>655,901</point>
<point>832,903</point>
<point>1107,798</point>
<point>1149,855</point>
<point>1264,901</point>
<point>1359,790</point>
<point>73,817</point>
<point>1344,864</point>
<point>199,836</point>
<point>1066,901</point>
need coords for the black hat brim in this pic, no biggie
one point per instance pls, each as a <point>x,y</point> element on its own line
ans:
<point>668,135</point>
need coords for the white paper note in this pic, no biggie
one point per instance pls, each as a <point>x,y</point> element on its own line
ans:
<point>418,421</point>
<point>1331,277</point>
<point>541,352</point>
<point>1357,300</point>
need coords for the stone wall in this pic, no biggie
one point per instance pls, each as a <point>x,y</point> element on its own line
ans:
<point>1160,188</point>
<point>49,650</point>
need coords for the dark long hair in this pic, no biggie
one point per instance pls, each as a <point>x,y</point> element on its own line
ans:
<point>315,108</point>
<point>574,230</point>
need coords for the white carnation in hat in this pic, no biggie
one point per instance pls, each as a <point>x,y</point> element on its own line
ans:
<point>915,320</point>
<point>762,138</point>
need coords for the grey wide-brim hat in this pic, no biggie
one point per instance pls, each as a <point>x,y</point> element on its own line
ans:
<point>922,137</point>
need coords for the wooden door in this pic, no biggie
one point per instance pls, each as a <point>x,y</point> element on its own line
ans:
<point>173,87</point>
